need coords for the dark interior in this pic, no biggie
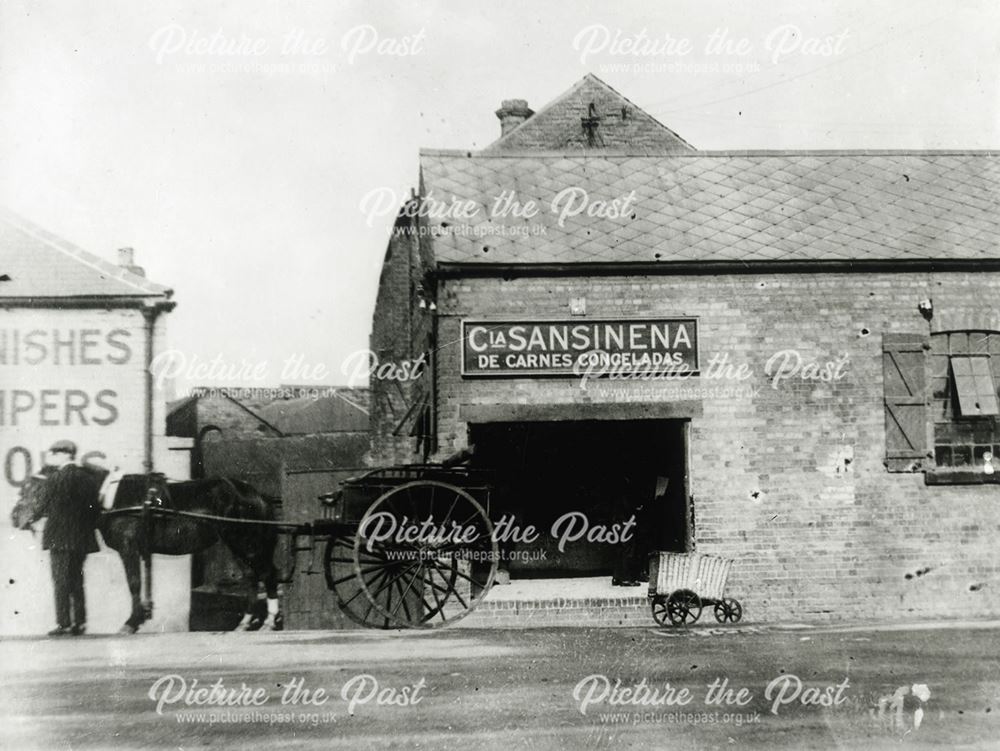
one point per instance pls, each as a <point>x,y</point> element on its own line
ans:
<point>608,470</point>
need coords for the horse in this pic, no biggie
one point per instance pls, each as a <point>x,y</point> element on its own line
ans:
<point>136,533</point>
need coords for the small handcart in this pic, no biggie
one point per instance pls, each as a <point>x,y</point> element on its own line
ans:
<point>681,584</point>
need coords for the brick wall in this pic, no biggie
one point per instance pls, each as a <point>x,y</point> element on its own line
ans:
<point>622,125</point>
<point>789,481</point>
<point>400,332</point>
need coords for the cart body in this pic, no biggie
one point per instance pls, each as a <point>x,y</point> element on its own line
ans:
<point>681,584</point>
<point>357,494</point>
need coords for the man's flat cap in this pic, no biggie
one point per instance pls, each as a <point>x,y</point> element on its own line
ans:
<point>65,447</point>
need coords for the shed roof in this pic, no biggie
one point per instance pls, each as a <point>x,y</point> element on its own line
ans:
<point>340,410</point>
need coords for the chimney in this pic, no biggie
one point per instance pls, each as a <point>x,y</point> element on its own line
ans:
<point>126,259</point>
<point>512,113</point>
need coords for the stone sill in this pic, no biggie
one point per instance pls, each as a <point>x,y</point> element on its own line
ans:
<point>960,477</point>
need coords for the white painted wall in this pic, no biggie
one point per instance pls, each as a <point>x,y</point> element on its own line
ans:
<point>78,374</point>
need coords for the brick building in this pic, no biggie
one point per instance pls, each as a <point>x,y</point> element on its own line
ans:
<point>789,358</point>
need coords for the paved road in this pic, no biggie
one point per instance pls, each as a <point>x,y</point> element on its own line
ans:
<point>537,689</point>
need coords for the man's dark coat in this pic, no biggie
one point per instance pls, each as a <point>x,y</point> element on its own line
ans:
<point>72,507</point>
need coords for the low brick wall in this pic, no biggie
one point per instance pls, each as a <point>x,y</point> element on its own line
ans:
<point>595,611</point>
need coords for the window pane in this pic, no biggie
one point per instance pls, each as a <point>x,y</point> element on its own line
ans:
<point>977,394</point>
<point>985,389</point>
<point>983,431</point>
<point>978,344</point>
<point>978,453</point>
<point>942,456</point>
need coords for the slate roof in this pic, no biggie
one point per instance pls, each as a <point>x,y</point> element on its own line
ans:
<point>37,264</point>
<point>723,206</point>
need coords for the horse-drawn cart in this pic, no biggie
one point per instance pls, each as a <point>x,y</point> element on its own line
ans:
<point>681,584</point>
<point>407,547</point>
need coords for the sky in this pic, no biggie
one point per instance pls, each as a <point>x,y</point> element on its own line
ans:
<point>232,144</point>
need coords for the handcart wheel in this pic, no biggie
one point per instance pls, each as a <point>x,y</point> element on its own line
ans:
<point>728,610</point>
<point>683,607</point>
<point>659,608</point>
<point>425,555</point>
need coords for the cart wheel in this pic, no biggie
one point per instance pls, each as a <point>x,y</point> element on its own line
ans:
<point>424,555</point>
<point>728,610</point>
<point>342,580</point>
<point>683,607</point>
<point>659,608</point>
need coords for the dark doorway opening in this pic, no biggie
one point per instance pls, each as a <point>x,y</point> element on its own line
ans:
<point>607,470</point>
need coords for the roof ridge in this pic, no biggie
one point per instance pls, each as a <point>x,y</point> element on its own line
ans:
<point>82,256</point>
<point>337,393</point>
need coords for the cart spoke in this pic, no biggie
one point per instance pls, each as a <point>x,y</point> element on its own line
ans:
<point>390,580</point>
<point>415,514</point>
<point>407,591</point>
<point>437,600</point>
<point>388,600</point>
<point>402,601</point>
<point>429,612</point>
<point>468,578</point>
<point>353,575</point>
<point>353,597</point>
<point>343,579</point>
<point>345,603</point>
<point>451,509</point>
<point>447,590</point>
<point>451,589</point>
<point>483,538</point>
<point>368,611</point>
<point>459,597</point>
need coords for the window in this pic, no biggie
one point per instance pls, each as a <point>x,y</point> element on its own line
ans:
<point>964,371</point>
<point>977,396</point>
<point>942,411</point>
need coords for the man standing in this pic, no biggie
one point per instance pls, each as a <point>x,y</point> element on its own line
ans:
<point>72,506</point>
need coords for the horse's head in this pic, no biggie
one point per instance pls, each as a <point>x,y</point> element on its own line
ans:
<point>30,506</point>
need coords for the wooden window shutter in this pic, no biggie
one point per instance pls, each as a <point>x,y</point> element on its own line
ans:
<point>904,379</point>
